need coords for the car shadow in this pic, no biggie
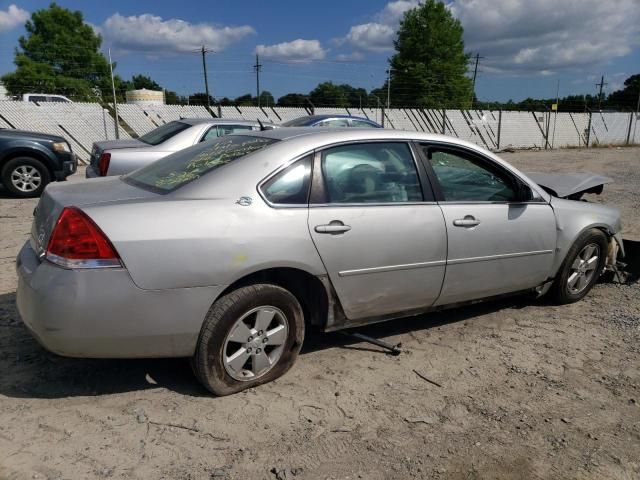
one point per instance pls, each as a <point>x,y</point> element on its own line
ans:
<point>29,371</point>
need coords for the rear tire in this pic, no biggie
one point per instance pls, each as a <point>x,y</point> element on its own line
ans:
<point>581,268</point>
<point>249,337</point>
<point>25,177</point>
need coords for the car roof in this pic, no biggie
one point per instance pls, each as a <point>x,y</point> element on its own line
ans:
<point>294,142</point>
<point>220,121</point>
<point>340,134</point>
<point>324,116</point>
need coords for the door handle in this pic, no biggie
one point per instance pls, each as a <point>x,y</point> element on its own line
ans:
<point>468,221</point>
<point>334,227</point>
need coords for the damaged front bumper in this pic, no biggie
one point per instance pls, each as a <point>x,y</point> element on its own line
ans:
<point>623,259</point>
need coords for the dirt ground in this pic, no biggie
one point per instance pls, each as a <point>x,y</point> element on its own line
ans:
<point>525,389</point>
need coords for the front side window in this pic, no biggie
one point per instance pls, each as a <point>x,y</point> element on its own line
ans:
<point>164,133</point>
<point>371,173</point>
<point>463,178</point>
<point>291,185</point>
<point>178,169</point>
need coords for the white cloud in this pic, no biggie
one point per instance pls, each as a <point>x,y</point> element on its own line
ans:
<point>295,51</point>
<point>12,17</point>
<point>524,36</point>
<point>372,37</point>
<point>378,36</point>
<point>393,12</point>
<point>151,34</point>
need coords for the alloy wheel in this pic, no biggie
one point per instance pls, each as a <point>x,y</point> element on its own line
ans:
<point>583,268</point>
<point>26,178</point>
<point>255,343</point>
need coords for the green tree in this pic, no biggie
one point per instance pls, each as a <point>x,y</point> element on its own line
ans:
<point>627,98</point>
<point>244,100</point>
<point>142,81</point>
<point>59,54</point>
<point>200,98</point>
<point>430,65</point>
<point>327,94</point>
<point>292,100</point>
<point>266,99</point>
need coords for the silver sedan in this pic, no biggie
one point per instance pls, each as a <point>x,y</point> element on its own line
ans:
<point>117,157</point>
<point>227,251</point>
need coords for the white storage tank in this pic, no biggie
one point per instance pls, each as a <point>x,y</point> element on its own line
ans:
<point>145,97</point>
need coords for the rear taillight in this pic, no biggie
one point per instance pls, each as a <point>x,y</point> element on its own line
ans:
<point>77,242</point>
<point>103,164</point>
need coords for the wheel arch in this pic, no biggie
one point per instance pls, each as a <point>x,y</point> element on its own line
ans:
<point>564,246</point>
<point>27,152</point>
<point>314,293</point>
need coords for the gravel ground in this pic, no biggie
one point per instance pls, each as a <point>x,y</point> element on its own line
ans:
<point>525,389</point>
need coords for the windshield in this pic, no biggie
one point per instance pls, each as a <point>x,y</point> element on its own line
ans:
<point>164,133</point>
<point>297,122</point>
<point>178,169</point>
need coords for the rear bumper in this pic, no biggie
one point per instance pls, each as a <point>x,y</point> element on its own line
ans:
<point>101,313</point>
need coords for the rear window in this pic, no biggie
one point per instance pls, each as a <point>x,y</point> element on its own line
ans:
<point>178,169</point>
<point>298,122</point>
<point>164,133</point>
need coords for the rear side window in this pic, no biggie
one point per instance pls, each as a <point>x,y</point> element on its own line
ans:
<point>297,122</point>
<point>291,185</point>
<point>229,129</point>
<point>164,133</point>
<point>178,169</point>
<point>362,124</point>
<point>334,122</point>
<point>222,130</point>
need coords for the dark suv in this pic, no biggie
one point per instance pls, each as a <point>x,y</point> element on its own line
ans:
<point>30,160</point>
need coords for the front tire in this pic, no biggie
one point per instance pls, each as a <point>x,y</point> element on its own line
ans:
<point>581,268</point>
<point>250,336</point>
<point>25,177</point>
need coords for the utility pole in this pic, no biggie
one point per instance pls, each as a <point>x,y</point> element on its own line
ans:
<point>388,88</point>
<point>475,74</point>
<point>115,102</point>
<point>555,117</point>
<point>257,67</point>
<point>601,84</point>
<point>204,51</point>
<point>637,118</point>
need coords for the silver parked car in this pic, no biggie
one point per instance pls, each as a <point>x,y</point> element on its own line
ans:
<point>117,157</point>
<point>226,251</point>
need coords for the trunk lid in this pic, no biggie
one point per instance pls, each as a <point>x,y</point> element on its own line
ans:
<point>81,194</point>
<point>99,147</point>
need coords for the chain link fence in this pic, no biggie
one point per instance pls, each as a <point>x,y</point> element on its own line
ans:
<point>83,123</point>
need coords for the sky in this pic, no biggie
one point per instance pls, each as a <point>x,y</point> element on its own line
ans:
<point>527,45</point>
